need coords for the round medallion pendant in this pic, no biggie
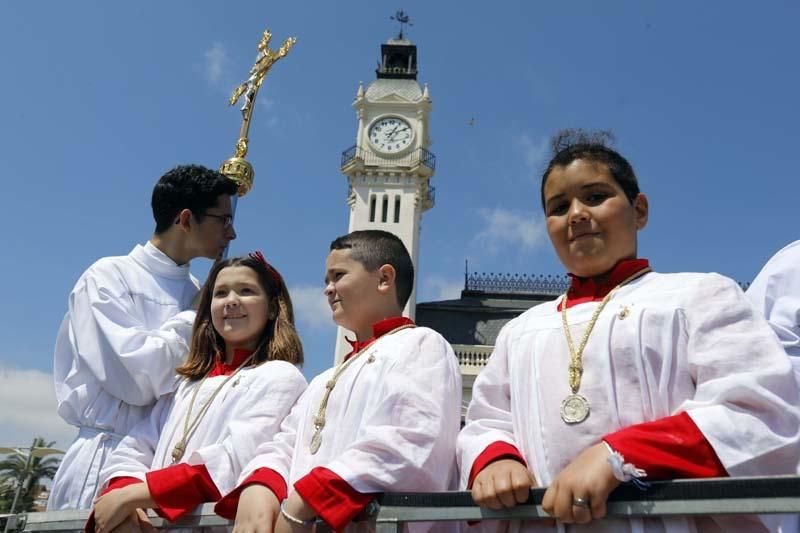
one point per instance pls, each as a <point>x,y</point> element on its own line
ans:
<point>574,409</point>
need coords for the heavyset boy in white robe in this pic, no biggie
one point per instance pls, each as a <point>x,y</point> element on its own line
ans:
<point>776,294</point>
<point>124,334</point>
<point>246,412</point>
<point>682,378</point>
<point>391,425</point>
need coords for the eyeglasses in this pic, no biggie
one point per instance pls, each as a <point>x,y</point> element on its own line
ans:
<point>227,220</point>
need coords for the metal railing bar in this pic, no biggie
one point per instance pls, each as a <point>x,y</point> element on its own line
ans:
<point>735,506</point>
<point>679,489</point>
<point>75,520</point>
<point>729,496</point>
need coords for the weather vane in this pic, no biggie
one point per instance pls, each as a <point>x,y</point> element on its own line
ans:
<point>238,168</point>
<point>403,18</point>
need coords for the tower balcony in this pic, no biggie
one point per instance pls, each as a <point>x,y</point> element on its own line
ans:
<point>431,195</point>
<point>420,160</point>
<point>428,197</point>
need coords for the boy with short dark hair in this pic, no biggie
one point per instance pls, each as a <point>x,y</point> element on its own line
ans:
<point>385,419</point>
<point>632,375</point>
<point>127,328</point>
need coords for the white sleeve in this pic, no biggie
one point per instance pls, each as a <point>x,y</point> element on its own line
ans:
<point>276,454</point>
<point>489,413</point>
<point>131,362</point>
<point>775,293</point>
<point>134,455</point>
<point>746,397</point>
<point>407,440</point>
<point>258,416</point>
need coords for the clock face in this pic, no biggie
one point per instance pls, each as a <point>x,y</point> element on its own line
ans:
<point>391,134</point>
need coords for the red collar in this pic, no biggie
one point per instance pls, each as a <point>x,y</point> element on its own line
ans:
<point>222,369</point>
<point>584,290</point>
<point>379,329</point>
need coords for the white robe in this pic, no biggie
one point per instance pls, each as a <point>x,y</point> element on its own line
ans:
<point>689,343</point>
<point>392,420</point>
<point>775,293</point>
<point>246,412</point>
<point>124,334</point>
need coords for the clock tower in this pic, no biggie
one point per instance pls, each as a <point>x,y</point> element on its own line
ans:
<point>389,168</point>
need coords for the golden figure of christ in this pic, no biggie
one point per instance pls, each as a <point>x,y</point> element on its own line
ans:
<point>264,61</point>
<point>237,167</point>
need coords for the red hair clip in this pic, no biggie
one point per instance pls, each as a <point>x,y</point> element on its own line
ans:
<point>258,256</point>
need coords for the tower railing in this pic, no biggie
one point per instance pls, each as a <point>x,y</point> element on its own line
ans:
<point>427,158</point>
<point>419,156</point>
<point>550,285</point>
<point>349,154</point>
<point>431,194</point>
<point>539,284</point>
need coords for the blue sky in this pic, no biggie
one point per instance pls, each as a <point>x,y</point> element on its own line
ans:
<point>100,98</point>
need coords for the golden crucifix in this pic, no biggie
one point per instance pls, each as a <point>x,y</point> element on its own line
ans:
<point>237,168</point>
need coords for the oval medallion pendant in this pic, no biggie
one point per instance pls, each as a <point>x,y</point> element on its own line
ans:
<point>316,442</point>
<point>574,409</point>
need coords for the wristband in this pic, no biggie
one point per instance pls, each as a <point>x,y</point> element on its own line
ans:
<point>294,520</point>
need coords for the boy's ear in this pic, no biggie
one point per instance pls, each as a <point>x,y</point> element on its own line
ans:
<point>386,278</point>
<point>185,219</point>
<point>642,208</point>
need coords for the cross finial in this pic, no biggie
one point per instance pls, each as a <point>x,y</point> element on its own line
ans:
<point>403,18</point>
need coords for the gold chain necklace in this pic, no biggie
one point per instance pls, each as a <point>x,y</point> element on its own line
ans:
<point>319,420</point>
<point>190,427</point>
<point>575,407</point>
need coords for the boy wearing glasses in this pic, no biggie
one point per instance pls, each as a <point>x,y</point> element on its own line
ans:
<point>128,326</point>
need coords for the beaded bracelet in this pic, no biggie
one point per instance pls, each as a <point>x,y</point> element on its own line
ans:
<point>294,520</point>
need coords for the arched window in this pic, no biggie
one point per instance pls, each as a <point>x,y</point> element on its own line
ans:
<point>372,201</point>
<point>385,213</point>
<point>396,208</point>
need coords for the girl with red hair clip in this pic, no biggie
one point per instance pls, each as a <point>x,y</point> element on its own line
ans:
<point>237,385</point>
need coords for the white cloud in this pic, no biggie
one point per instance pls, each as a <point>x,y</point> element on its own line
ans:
<point>534,151</point>
<point>28,409</point>
<point>505,228</point>
<point>266,102</point>
<point>439,288</point>
<point>311,307</point>
<point>216,60</point>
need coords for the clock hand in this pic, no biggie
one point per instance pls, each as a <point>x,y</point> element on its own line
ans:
<point>401,130</point>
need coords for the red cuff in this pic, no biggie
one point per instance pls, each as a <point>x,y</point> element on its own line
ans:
<point>494,452</point>
<point>331,497</point>
<point>114,484</point>
<point>178,489</point>
<point>669,448</point>
<point>227,506</point>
